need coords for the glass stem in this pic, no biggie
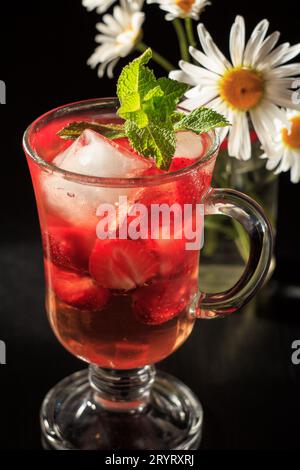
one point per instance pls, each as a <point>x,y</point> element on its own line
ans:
<point>122,390</point>
<point>158,58</point>
<point>184,50</point>
<point>190,32</point>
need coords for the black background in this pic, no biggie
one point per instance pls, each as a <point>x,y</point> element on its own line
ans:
<point>240,367</point>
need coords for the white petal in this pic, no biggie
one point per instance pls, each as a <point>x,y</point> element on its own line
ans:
<point>285,71</point>
<point>207,62</point>
<point>120,16</point>
<point>193,71</point>
<point>191,104</point>
<point>181,76</point>
<point>103,28</point>
<point>266,48</point>
<point>110,21</point>
<point>111,67</point>
<point>282,54</point>
<point>295,169</point>
<point>290,54</point>
<point>275,57</point>
<point>235,136</point>
<point>237,41</point>
<point>211,49</point>
<point>257,118</point>
<point>245,151</point>
<point>255,42</point>
<point>282,97</point>
<point>102,38</point>
<point>203,94</point>
<point>272,163</point>
<point>286,162</point>
<point>137,20</point>
<point>101,69</point>
<point>279,83</point>
<point>273,115</point>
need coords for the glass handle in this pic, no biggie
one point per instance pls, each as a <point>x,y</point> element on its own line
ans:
<point>247,212</point>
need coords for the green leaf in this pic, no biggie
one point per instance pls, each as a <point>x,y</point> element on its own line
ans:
<point>154,93</point>
<point>130,104</point>
<point>173,91</point>
<point>135,78</point>
<point>74,130</point>
<point>201,120</point>
<point>176,117</point>
<point>153,141</point>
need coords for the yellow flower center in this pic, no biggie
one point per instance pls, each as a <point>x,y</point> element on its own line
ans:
<point>242,88</point>
<point>292,139</point>
<point>185,5</point>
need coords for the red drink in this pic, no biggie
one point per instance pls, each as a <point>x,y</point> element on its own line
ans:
<point>117,303</point>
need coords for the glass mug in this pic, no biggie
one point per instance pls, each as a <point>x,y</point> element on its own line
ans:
<point>122,305</point>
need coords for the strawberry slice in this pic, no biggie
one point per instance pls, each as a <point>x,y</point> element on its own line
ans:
<point>160,302</point>
<point>69,247</point>
<point>122,264</point>
<point>170,250</point>
<point>76,290</point>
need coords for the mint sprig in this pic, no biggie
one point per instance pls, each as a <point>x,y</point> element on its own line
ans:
<point>149,108</point>
<point>147,104</point>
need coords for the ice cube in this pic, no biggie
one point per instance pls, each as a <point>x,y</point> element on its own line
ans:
<point>188,145</point>
<point>93,155</point>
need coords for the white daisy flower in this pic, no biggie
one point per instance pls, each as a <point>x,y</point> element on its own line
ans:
<point>119,34</point>
<point>255,83</point>
<point>182,8</point>
<point>285,154</point>
<point>101,5</point>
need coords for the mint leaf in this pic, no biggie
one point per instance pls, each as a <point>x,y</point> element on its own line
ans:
<point>153,141</point>
<point>154,93</point>
<point>176,117</point>
<point>135,82</point>
<point>173,91</point>
<point>201,120</point>
<point>140,92</point>
<point>135,78</point>
<point>74,130</point>
<point>148,105</point>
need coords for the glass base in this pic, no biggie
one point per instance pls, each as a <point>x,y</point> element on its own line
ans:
<point>73,418</point>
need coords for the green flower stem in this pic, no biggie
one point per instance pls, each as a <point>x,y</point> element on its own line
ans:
<point>184,49</point>
<point>190,32</point>
<point>158,58</point>
<point>241,240</point>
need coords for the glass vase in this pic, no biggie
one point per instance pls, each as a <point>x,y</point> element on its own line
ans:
<point>226,248</point>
